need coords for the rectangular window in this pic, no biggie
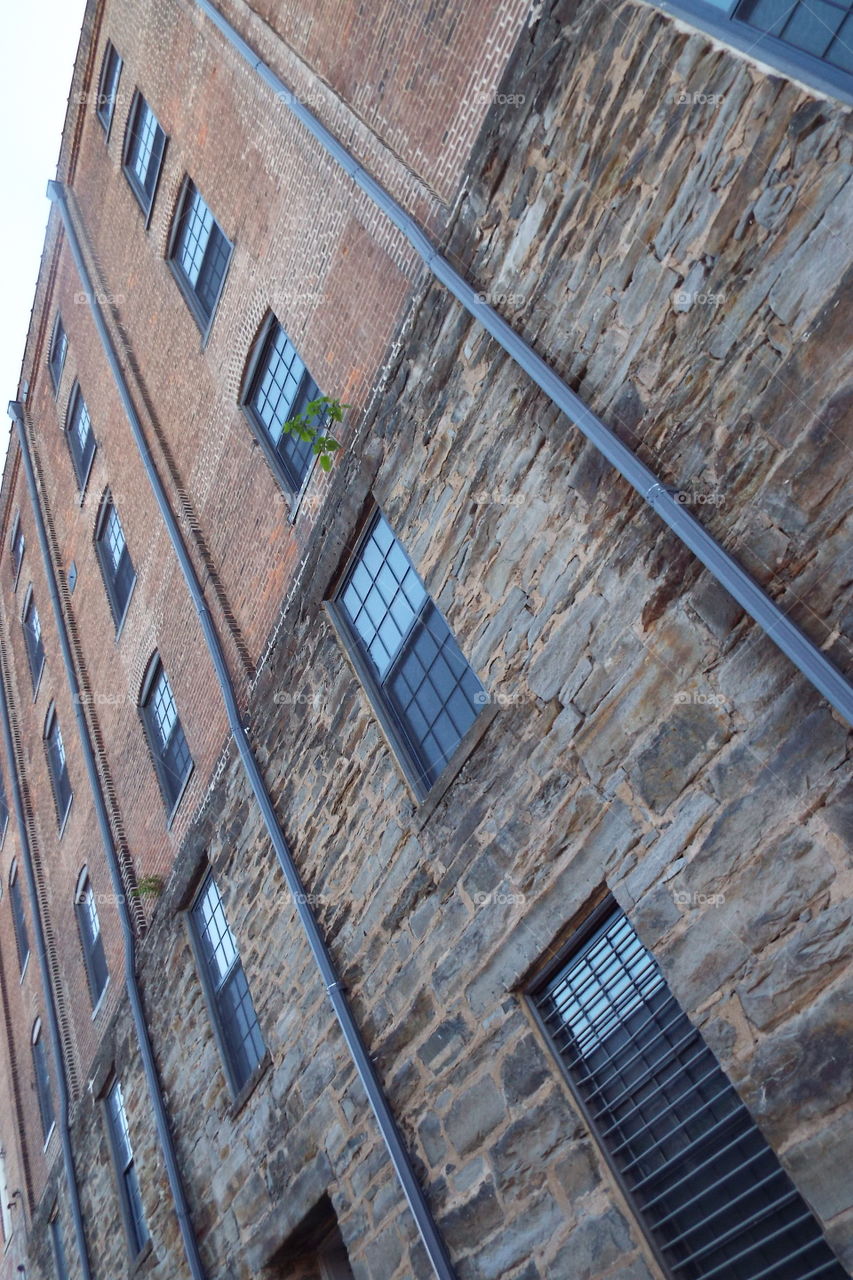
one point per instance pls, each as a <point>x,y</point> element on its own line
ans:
<point>58,1248</point>
<point>708,1189</point>
<point>90,936</point>
<point>33,641</point>
<point>114,558</point>
<point>279,388</point>
<point>108,86</point>
<point>408,656</point>
<point>199,255</point>
<point>169,748</point>
<point>4,809</point>
<point>128,1183</point>
<point>42,1077</point>
<point>19,919</point>
<point>58,769</point>
<point>226,986</point>
<point>58,352</point>
<point>81,438</point>
<point>18,546</point>
<point>5,1199</point>
<point>144,147</point>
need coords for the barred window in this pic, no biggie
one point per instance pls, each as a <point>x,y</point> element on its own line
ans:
<point>18,547</point>
<point>19,919</point>
<point>89,925</point>
<point>58,352</point>
<point>144,147</point>
<point>130,1198</point>
<point>279,387</point>
<point>172,759</point>
<point>108,86</point>
<point>81,437</point>
<point>33,641</point>
<point>226,986</point>
<point>57,765</point>
<point>708,1189</point>
<point>408,656</point>
<point>114,558</point>
<point>42,1079</point>
<point>199,255</point>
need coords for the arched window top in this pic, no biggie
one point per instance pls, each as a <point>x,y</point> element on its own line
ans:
<point>82,884</point>
<point>49,720</point>
<point>27,601</point>
<point>13,871</point>
<point>152,668</point>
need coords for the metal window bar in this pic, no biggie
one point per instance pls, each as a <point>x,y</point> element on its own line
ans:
<point>45,1099</point>
<point>281,388</point>
<point>19,920</point>
<point>665,1116</point>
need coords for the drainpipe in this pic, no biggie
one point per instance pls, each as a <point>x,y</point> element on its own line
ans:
<point>750,596</point>
<point>16,412</point>
<point>400,1159</point>
<point>47,985</point>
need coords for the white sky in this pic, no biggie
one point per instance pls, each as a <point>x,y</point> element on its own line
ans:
<point>39,42</point>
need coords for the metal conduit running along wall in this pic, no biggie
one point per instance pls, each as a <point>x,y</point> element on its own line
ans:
<point>44,974</point>
<point>401,1161</point>
<point>781,630</point>
<point>16,412</point>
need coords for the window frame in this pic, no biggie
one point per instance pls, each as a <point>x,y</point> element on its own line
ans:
<point>145,202</point>
<point>254,366</point>
<point>47,1110</point>
<point>106,117</point>
<point>60,1262</point>
<point>107,504</point>
<point>56,375</point>
<point>187,290</point>
<point>51,722</point>
<point>28,606</point>
<point>752,42</point>
<point>4,810</point>
<point>172,802</point>
<point>19,918</point>
<point>122,1169</point>
<point>227,1054</point>
<point>82,469</point>
<point>90,945</point>
<point>415,771</point>
<point>17,561</point>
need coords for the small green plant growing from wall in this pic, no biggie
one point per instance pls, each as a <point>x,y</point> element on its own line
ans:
<point>309,426</point>
<point>148,887</point>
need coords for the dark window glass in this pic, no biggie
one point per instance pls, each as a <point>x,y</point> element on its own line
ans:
<point>4,808</point>
<point>90,936</point>
<point>81,438</point>
<point>821,28</point>
<point>19,919</point>
<point>33,641</point>
<point>166,736</point>
<point>18,546</point>
<point>116,564</point>
<point>108,86</point>
<point>57,767</point>
<point>424,680</point>
<point>144,145</point>
<point>131,1199</point>
<point>58,352</point>
<point>238,1022</point>
<point>42,1084</point>
<point>708,1188</point>
<point>199,254</point>
<point>281,387</point>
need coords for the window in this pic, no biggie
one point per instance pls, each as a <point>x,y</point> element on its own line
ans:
<point>4,809</point>
<point>33,639</point>
<point>709,1190</point>
<point>90,937</point>
<point>18,547</point>
<point>114,559</point>
<point>144,146</point>
<point>128,1183</point>
<point>19,919</point>
<point>5,1200</point>
<point>58,1248</point>
<point>814,37</point>
<point>172,758</point>
<point>42,1077</point>
<point>198,254</point>
<point>278,387</point>
<point>225,986</point>
<point>58,352</point>
<point>407,656</point>
<point>108,86</point>
<point>57,766</point>
<point>81,437</point>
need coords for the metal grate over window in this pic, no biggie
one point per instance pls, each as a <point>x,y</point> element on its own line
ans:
<point>422,676</point>
<point>81,438</point>
<point>200,255</point>
<point>280,389</point>
<point>144,145</point>
<point>821,28</point>
<point>241,1034</point>
<point>709,1190</point>
<point>131,1199</point>
<point>116,564</point>
<point>166,736</point>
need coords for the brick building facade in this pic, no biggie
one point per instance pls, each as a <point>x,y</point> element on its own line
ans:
<point>585,877</point>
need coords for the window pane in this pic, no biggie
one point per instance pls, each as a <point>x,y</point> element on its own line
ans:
<point>217,941</point>
<point>43,1085</point>
<point>20,921</point>
<point>145,147</point>
<point>708,1186</point>
<point>118,1124</point>
<point>108,86</point>
<point>201,251</point>
<point>281,389</point>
